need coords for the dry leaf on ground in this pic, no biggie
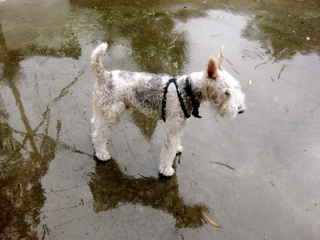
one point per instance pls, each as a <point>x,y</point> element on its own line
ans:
<point>210,221</point>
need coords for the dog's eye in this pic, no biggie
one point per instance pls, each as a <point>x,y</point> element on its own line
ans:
<point>227,93</point>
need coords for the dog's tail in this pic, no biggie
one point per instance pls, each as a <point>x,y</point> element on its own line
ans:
<point>96,63</point>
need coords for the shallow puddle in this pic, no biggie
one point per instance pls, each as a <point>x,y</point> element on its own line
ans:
<point>51,185</point>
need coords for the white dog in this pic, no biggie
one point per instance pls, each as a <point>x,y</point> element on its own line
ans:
<point>162,97</point>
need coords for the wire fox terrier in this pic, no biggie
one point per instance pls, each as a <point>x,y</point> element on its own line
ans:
<point>159,96</point>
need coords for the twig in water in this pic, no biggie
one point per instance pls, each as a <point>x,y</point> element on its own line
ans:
<point>187,43</point>
<point>48,104</point>
<point>11,144</point>
<point>99,227</point>
<point>45,230</point>
<point>217,35</point>
<point>210,221</point>
<point>173,41</point>
<point>84,110</point>
<point>281,71</point>
<point>44,61</point>
<point>72,92</point>
<point>92,176</point>
<point>272,79</point>
<point>260,64</point>
<point>236,71</point>
<point>223,165</point>
<point>20,189</point>
<point>229,62</point>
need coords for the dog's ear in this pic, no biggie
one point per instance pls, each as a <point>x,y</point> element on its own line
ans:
<point>212,68</point>
<point>221,58</point>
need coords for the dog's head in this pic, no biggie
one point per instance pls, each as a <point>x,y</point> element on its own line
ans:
<point>223,90</point>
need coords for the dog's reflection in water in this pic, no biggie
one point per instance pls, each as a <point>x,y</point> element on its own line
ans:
<point>110,187</point>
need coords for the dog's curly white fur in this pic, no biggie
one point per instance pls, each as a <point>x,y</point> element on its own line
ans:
<point>117,91</point>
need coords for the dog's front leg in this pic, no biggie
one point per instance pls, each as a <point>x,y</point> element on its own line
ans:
<point>171,145</point>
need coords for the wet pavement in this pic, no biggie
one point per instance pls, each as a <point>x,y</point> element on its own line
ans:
<point>51,186</point>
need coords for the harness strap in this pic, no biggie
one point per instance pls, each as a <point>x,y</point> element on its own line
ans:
<point>164,99</point>
<point>194,103</point>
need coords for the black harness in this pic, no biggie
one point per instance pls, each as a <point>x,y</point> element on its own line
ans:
<point>194,102</point>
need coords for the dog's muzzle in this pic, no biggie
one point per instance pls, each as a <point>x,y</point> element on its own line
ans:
<point>241,111</point>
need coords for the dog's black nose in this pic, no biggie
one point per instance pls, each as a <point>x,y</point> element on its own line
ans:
<point>241,111</point>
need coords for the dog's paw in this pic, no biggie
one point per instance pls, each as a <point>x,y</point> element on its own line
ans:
<point>103,156</point>
<point>179,150</point>
<point>167,171</point>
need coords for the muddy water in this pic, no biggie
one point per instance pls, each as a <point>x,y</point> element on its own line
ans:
<point>53,188</point>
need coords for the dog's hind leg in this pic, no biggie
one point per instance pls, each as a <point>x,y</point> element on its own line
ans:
<point>103,124</point>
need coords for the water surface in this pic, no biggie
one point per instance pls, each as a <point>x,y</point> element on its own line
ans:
<point>53,188</point>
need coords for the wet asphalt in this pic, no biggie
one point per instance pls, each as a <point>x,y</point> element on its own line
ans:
<point>256,175</point>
